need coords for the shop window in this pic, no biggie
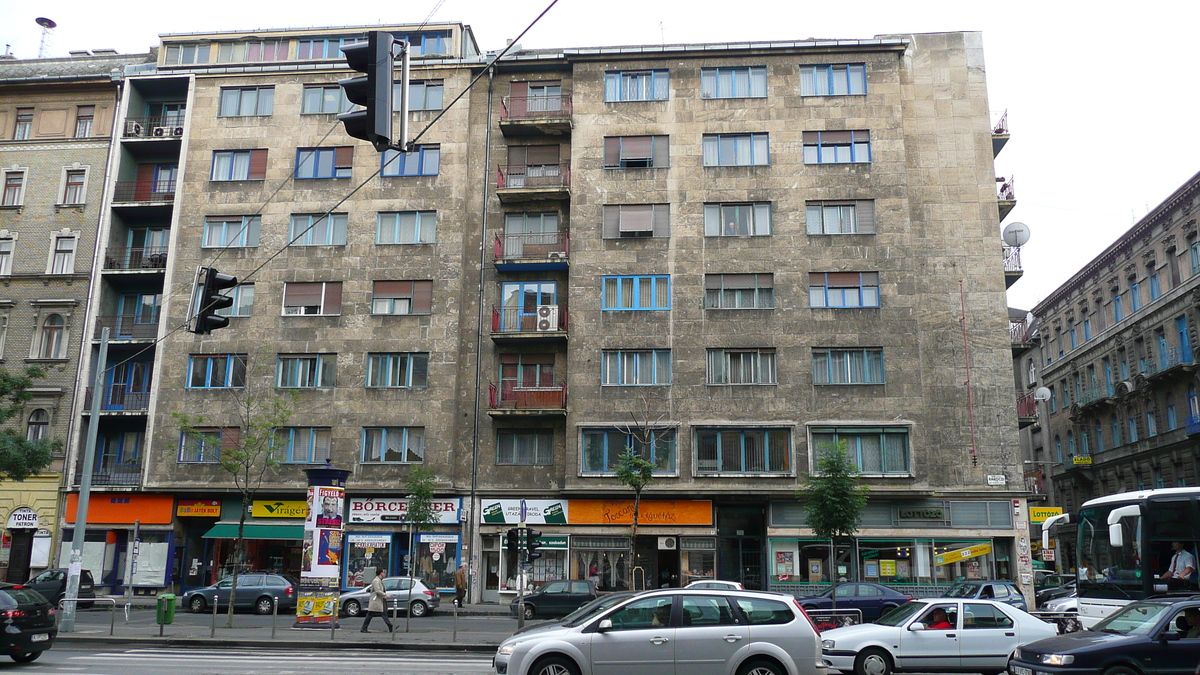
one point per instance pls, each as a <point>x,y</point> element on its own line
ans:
<point>437,558</point>
<point>603,560</point>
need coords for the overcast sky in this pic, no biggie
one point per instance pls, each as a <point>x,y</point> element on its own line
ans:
<point>1075,78</point>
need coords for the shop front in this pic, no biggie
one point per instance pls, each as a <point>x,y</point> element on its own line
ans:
<point>273,539</point>
<point>129,540</point>
<point>29,517</point>
<point>378,534</point>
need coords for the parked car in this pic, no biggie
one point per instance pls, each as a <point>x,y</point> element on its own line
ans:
<point>1151,633</point>
<point>255,590</point>
<point>873,600</point>
<point>29,625</point>
<point>1053,586</point>
<point>598,605</point>
<point>420,598</point>
<point>1001,591</point>
<point>681,630</point>
<point>716,584</point>
<point>1069,603</point>
<point>52,584</point>
<point>935,635</point>
<point>556,598</point>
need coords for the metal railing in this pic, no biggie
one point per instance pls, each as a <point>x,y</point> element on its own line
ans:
<point>532,246</point>
<point>535,107</point>
<point>1026,405</point>
<point>116,474</point>
<point>126,327</point>
<point>162,126</point>
<point>136,258</point>
<point>1093,394</point>
<point>1193,424</point>
<point>520,320</point>
<point>1012,258</point>
<point>536,176</point>
<point>118,397</point>
<point>1005,192</point>
<point>553,397</point>
<point>1174,356</point>
<point>112,611</point>
<point>1019,332</point>
<point>142,191</point>
<point>1002,124</point>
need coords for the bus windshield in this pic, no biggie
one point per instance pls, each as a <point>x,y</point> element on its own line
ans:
<point>1107,571</point>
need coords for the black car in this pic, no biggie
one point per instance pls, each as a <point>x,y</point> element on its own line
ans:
<point>255,590</point>
<point>28,620</point>
<point>556,598</point>
<point>52,584</point>
<point>1154,635</point>
<point>873,600</point>
<point>1000,591</point>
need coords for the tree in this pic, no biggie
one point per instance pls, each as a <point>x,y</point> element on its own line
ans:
<point>833,499</point>
<point>645,439</point>
<point>421,514</point>
<point>21,458</point>
<point>243,450</point>
<point>635,472</point>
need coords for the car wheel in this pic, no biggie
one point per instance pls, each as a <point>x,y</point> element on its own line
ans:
<point>530,611</point>
<point>419,609</point>
<point>554,665</point>
<point>26,658</point>
<point>197,604</point>
<point>761,668</point>
<point>873,662</point>
<point>263,605</point>
<point>1121,670</point>
<point>353,608</point>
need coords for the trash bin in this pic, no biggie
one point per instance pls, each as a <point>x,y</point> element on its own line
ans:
<point>166,609</point>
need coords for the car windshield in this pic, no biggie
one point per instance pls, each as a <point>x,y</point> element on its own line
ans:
<point>10,598</point>
<point>1136,619</point>
<point>585,613</point>
<point>961,591</point>
<point>900,614</point>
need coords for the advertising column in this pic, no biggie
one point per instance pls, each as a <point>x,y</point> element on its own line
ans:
<point>324,546</point>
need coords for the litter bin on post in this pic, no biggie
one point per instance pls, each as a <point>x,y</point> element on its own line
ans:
<point>165,611</point>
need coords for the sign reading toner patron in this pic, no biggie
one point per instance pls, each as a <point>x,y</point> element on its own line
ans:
<point>395,510</point>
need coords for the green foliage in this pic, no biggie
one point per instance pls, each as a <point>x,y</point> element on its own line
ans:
<point>834,496</point>
<point>634,471</point>
<point>20,458</point>
<point>420,485</point>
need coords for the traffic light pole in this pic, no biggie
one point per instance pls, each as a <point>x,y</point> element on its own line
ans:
<point>521,556</point>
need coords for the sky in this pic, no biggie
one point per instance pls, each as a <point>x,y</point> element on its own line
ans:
<point>1078,80</point>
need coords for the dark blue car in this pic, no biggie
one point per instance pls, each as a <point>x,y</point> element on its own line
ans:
<point>873,600</point>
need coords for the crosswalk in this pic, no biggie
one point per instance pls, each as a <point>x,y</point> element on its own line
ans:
<point>151,661</point>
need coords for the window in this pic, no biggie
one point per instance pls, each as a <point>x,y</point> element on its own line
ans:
<point>521,301</point>
<point>306,371</point>
<point>525,447</point>
<point>837,147</point>
<point>428,42</point>
<point>641,293</point>
<point>833,80</point>
<point>1087,329</point>
<point>325,100</point>
<point>422,160</point>
<point>636,367</point>
<point>1195,257</point>
<point>737,220</point>
<point>637,152</point>
<point>602,448</point>
<point>184,54</point>
<point>1155,289</point>
<point>1116,431</point>
<point>243,301</point>
<point>422,95</point>
<point>1071,337</point>
<point>881,450</point>
<point>1133,430</point>
<point>6,255</point>
<point>1135,296</point>
<point>322,297</point>
<point>406,227</point>
<point>735,150</point>
<point>743,450</point>
<point>205,443</point>
<point>397,445</point>
<point>741,366</point>
<point>841,217</point>
<point>239,165</point>
<point>978,616</point>
<point>324,48</point>
<point>318,230</point>
<point>37,426</point>
<point>73,187</point>
<point>1172,418</point>
<point>14,188</point>
<point>24,128</point>
<point>739,291</point>
<point>1053,399</point>
<point>324,162</point>
<point>1118,310</point>
<point>1151,424</point>
<point>744,82</point>
<point>216,371</point>
<point>258,50</point>
<point>638,85</point>
<point>843,289</point>
<point>63,256</point>
<point>246,101</point>
<point>847,366</point>
<point>53,344</point>
<point>231,231</point>
<point>305,444</point>
<point>1099,431</point>
<point>84,115</point>
<point>402,297</point>
<point>394,370</point>
<point>636,220</point>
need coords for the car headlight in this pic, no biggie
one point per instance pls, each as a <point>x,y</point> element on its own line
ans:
<point>1057,659</point>
<point>827,644</point>
<point>507,649</point>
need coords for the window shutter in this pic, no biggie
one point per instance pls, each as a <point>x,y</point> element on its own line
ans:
<point>635,147</point>
<point>422,297</point>
<point>612,220</point>
<point>661,151</point>
<point>662,220</point>
<point>258,165</point>
<point>518,89</point>
<point>344,157</point>
<point>739,281</point>
<point>333,298</point>
<point>765,280</point>
<point>870,278</point>
<point>393,289</point>
<point>811,137</point>
<point>844,279</point>
<point>829,137</point>
<point>637,218</point>
<point>517,155</point>
<point>145,172</point>
<point>612,151</point>
<point>300,294</point>
<point>865,212</point>
<point>518,104</point>
<point>230,438</point>
<point>712,281</point>
<point>543,154</point>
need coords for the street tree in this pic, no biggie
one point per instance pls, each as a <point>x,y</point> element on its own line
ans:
<point>833,498</point>
<point>421,515</point>
<point>20,457</point>
<point>647,449</point>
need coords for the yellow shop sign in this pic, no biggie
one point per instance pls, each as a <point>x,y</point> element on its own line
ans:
<point>1039,514</point>
<point>1085,460</point>
<point>276,508</point>
<point>962,554</point>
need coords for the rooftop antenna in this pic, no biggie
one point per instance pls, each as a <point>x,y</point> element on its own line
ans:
<point>47,25</point>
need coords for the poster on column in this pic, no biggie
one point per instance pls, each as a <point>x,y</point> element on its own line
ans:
<point>325,510</point>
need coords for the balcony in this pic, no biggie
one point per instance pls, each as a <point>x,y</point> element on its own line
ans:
<point>161,128</point>
<point>535,115</point>
<point>1006,197</point>
<point>533,183</point>
<point>119,398</point>
<point>531,252</point>
<point>116,475</point>
<point>1021,335</point>
<point>1026,410</point>
<point>547,323</point>
<point>527,401</point>
<point>1000,134</point>
<point>127,327</point>
<point>1193,425</point>
<point>1012,265</point>
<point>1095,395</point>
<point>152,258</point>
<point>1171,360</point>
<point>144,192</point>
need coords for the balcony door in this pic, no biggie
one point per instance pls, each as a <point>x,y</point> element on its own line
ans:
<point>129,386</point>
<point>118,458</point>
<point>523,372</point>
<point>533,166</point>
<point>137,315</point>
<point>520,301</point>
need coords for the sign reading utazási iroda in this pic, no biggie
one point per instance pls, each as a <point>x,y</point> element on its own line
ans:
<point>395,510</point>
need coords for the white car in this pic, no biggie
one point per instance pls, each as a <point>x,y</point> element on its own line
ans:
<point>935,635</point>
<point>1069,603</point>
<point>716,584</point>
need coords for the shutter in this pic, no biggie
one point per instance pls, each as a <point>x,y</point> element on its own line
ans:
<point>844,279</point>
<point>393,289</point>
<point>518,93</point>
<point>301,294</point>
<point>231,437</point>
<point>765,280</point>
<point>832,137</point>
<point>662,220</point>
<point>635,147</point>
<point>637,218</point>
<point>739,281</point>
<point>145,172</point>
<point>810,137</point>
<point>816,279</point>
<point>712,281</point>
<point>612,151</point>
<point>865,213</point>
<point>661,151</point>
<point>543,154</point>
<point>344,157</point>
<point>517,155</point>
<point>870,278</point>
<point>422,297</point>
<point>145,181</point>
<point>612,220</point>
<point>333,298</point>
<point>258,165</point>
<point>518,89</point>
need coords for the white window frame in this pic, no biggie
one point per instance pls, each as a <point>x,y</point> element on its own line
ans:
<point>303,226</point>
<point>246,236</point>
<point>241,92</point>
<point>37,346</point>
<point>83,188</point>
<point>19,199</point>
<point>52,262</point>
<point>763,368</point>
<point>321,308</point>
<point>8,245</point>
<point>243,299</point>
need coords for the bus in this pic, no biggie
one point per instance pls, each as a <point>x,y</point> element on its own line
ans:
<point>1125,544</point>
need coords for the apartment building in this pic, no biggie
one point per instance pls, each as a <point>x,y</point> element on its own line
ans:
<point>726,256</point>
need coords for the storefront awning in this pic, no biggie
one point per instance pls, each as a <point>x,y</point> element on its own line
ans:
<point>255,531</point>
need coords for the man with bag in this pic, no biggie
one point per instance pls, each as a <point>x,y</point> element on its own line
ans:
<point>377,606</point>
<point>460,584</point>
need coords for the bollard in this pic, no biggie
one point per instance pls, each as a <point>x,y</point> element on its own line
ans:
<point>333,622</point>
<point>213,632</point>
<point>393,631</point>
<point>274,615</point>
<point>455,640</point>
<point>112,617</point>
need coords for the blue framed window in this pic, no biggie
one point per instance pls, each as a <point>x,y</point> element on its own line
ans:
<point>843,289</point>
<point>1085,447</point>
<point>1053,399</point>
<point>406,227</point>
<point>1151,424</point>
<point>636,85</point>
<point>231,231</point>
<point>602,448</point>
<point>1135,296</point>
<point>397,370</point>
<point>306,371</point>
<point>246,101</point>
<point>325,48</point>
<point>743,82</point>
<point>1087,329</point>
<point>842,79</point>
<point>203,445</point>
<point>1099,437</point>
<point>1124,369</point>
<point>228,165</point>
<point>837,147</point>
<point>422,94</point>
<point>427,42</point>
<point>736,150</point>
<point>216,371</point>
<point>1058,449</point>
<point>243,301</point>
<point>1071,337</point>
<point>1070,444</point>
<point>119,455</point>
<point>393,445</point>
<point>875,450</point>
<point>847,366</point>
<point>741,366</point>
<point>324,99</point>
<point>317,229</point>
<point>1194,255</point>
<point>1185,343</point>
<point>737,220</point>
<point>733,450</point>
<point>304,445</point>
<point>1172,418</point>
<point>1116,431</point>
<point>423,160</point>
<point>1108,380</point>
<point>1133,430</point>
<point>1066,392</point>
<point>324,162</point>
<point>1155,288</point>
<point>1118,309</point>
<point>625,367</point>
<point>525,448</point>
<point>520,301</point>
<point>739,291</point>
<point>636,293</point>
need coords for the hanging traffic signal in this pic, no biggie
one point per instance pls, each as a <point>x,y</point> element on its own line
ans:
<point>207,299</point>
<point>532,544</point>
<point>372,91</point>
<point>511,543</point>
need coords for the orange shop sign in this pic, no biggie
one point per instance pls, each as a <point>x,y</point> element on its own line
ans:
<point>124,508</point>
<point>203,508</point>
<point>651,512</point>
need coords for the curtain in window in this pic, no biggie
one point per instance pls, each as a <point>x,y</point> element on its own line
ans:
<point>612,87</point>
<point>662,85</point>
<point>758,82</point>
<point>710,150</point>
<point>870,454</point>
<point>731,450</point>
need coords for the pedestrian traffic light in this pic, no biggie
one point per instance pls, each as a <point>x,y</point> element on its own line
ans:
<point>511,543</point>
<point>532,544</point>
<point>372,91</point>
<point>207,299</point>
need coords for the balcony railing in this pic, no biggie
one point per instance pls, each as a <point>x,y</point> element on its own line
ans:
<point>535,246</point>
<point>1019,332</point>
<point>535,107</point>
<point>1005,192</point>
<point>1002,124</point>
<point>506,397</point>
<point>532,177</point>
<point>147,258</point>
<point>1193,424</point>
<point>139,191</point>
<point>163,126</point>
<point>1012,259</point>
<point>1172,357</point>
<point>119,397</point>
<point>127,327</point>
<point>116,474</point>
<point>1026,405</point>
<point>545,319</point>
<point>1094,394</point>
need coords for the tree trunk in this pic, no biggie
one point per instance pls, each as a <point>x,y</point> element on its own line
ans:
<point>637,505</point>
<point>833,571</point>
<point>237,558</point>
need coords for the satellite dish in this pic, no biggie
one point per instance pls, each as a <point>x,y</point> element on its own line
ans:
<point>1016,234</point>
<point>45,23</point>
<point>1042,394</point>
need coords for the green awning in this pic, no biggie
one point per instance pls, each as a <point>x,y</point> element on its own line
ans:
<point>255,531</point>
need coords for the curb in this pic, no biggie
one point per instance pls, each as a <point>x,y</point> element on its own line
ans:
<point>196,643</point>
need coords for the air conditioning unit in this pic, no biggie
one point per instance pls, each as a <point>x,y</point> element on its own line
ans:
<point>133,129</point>
<point>177,132</point>
<point>668,543</point>
<point>161,132</point>
<point>547,317</point>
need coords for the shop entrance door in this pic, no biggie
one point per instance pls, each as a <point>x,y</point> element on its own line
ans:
<point>491,576</point>
<point>668,568</point>
<point>740,545</point>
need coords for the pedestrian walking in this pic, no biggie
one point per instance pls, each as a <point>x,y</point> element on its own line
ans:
<point>377,606</point>
<point>460,584</point>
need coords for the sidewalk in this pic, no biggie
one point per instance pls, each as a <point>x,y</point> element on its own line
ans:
<point>151,602</point>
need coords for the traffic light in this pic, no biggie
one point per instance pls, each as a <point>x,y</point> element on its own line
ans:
<point>532,544</point>
<point>207,299</point>
<point>511,543</point>
<point>372,91</point>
